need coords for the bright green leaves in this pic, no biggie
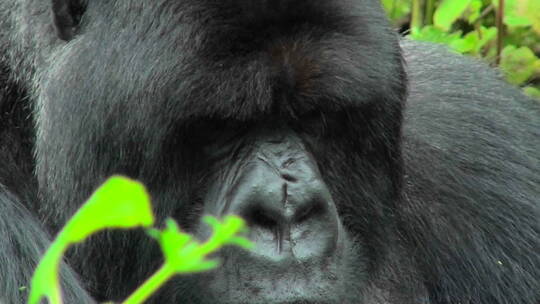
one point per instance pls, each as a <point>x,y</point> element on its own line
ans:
<point>473,13</point>
<point>448,12</point>
<point>519,13</point>
<point>396,9</point>
<point>519,64</point>
<point>119,203</point>
<point>469,27</point>
<point>532,11</point>
<point>177,245</point>
<point>123,203</point>
<point>224,232</point>
<point>44,282</point>
<point>184,254</point>
<point>532,91</point>
<point>474,42</point>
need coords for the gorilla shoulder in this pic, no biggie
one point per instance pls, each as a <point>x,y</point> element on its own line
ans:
<point>472,178</point>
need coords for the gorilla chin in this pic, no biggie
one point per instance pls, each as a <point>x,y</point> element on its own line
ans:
<point>289,281</point>
<point>371,169</point>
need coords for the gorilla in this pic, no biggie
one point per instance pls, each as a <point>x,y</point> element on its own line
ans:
<point>371,169</point>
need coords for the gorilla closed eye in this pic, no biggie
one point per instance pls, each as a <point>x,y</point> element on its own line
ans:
<point>408,175</point>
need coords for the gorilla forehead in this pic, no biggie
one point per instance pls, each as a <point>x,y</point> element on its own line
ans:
<point>161,59</point>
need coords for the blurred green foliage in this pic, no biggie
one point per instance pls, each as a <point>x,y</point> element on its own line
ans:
<point>470,27</point>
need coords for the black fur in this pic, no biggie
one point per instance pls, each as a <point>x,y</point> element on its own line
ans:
<point>429,158</point>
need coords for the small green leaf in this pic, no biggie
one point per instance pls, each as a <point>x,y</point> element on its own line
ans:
<point>474,11</point>
<point>486,35</point>
<point>532,10</point>
<point>448,12</point>
<point>44,283</point>
<point>205,265</point>
<point>473,42</point>
<point>240,241</point>
<point>396,9</point>
<point>432,34</point>
<point>513,15</point>
<point>467,44</point>
<point>119,203</point>
<point>533,92</point>
<point>518,64</point>
<point>185,254</point>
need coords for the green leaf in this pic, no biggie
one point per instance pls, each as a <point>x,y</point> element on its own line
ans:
<point>432,34</point>
<point>532,10</point>
<point>515,12</point>
<point>119,203</point>
<point>474,11</point>
<point>44,283</point>
<point>448,12</point>
<point>486,35</point>
<point>533,92</point>
<point>240,241</point>
<point>518,64</point>
<point>529,9</point>
<point>185,254</point>
<point>514,20</point>
<point>466,44</point>
<point>473,42</point>
<point>396,9</point>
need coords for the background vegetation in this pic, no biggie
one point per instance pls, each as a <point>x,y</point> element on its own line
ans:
<point>505,33</point>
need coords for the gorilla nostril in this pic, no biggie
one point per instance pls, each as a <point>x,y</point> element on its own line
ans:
<point>312,210</point>
<point>289,177</point>
<point>258,217</point>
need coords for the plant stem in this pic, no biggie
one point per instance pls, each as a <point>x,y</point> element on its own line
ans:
<point>430,10</point>
<point>416,16</point>
<point>500,30</point>
<point>152,284</point>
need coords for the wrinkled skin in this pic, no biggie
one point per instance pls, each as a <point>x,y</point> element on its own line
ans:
<point>370,170</point>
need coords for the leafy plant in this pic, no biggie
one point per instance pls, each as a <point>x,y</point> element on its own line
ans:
<point>507,36</point>
<point>123,203</point>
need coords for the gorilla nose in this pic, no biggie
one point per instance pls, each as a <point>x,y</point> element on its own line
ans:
<point>291,213</point>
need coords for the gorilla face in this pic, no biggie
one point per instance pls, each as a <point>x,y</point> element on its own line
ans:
<point>290,114</point>
<point>222,114</point>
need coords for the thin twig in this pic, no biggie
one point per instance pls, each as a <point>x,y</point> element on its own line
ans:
<point>430,10</point>
<point>416,16</point>
<point>500,30</point>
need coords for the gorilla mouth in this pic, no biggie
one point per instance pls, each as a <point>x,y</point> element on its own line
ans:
<point>248,278</point>
<point>258,289</point>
